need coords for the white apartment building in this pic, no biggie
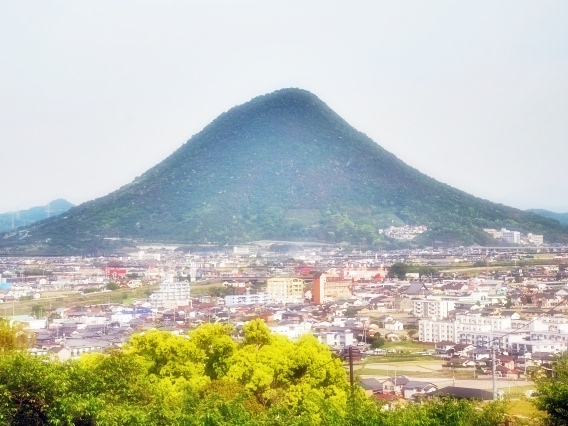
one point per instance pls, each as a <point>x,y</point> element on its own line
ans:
<point>432,307</point>
<point>549,329</point>
<point>171,294</point>
<point>246,299</point>
<point>511,237</point>
<point>477,322</point>
<point>436,331</point>
<point>501,339</point>
<point>513,341</point>
<point>470,325</point>
<point>545,335</point>
<point>244,250</point>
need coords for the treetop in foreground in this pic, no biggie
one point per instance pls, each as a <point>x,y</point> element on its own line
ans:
<point>208,378</point>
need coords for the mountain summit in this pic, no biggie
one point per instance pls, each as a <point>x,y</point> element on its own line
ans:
<point>281,166</point>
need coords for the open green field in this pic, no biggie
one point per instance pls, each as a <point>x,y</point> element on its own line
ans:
<point>408,346</point>
<point>51,301</point>
<point>525,409</point>
<point>63,299</point>
<point>419,365</point>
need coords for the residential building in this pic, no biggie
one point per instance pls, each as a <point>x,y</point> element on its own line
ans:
<point>432,307</point>
<point>171,294</point>
<point>466,328</point>
<point>326,290</point>
<point>436,331</point>
<point>285,290</point>
<point>318,288</point>
<point>511,237</point>
<point>535,239</point>
<point>246,299</point>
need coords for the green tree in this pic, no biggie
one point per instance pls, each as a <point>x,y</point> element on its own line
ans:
<point>281,373</point>
<point>32,391</point>
<point>256,333</point>
<point>13,336</point>
<point>166,355</point>
<point>398,270</point>
<point>112,285</point>
<point>552,391</point>
<point>38,311</point>
<point>217,345</point>
<point>207,379</point>
<point>427,271</point>
<point>376,341</point>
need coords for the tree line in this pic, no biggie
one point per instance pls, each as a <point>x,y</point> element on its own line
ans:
<point>214,375</point>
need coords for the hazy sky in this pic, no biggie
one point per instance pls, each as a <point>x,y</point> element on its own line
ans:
<point>474,94</point>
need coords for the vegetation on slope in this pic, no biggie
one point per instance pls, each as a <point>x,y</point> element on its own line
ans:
<point>560,217</point>
<point>282,166</point>
<point>16,219</point>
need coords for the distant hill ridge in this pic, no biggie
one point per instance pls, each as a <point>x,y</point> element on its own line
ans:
<point>15,219</point>
<point>282,166</point>
<point>560,217</point>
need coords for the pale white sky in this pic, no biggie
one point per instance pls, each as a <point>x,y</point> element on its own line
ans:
<point>474,94</point>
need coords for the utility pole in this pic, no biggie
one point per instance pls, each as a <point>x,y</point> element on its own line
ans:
<point>493,367</point>
<point>351,366</point>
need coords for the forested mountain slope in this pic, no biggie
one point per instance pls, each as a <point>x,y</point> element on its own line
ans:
<point>282,166</point>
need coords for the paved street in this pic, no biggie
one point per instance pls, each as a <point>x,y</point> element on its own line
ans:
<point>484,383</point>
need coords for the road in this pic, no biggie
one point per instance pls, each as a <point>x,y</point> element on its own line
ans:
<point>485,383</point>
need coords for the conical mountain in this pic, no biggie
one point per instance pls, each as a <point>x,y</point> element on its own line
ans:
<point>282,166</point>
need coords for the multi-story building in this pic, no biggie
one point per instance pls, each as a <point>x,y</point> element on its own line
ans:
<point>336,338</point>
<point>432,307</point>
<point>477,322</point>
<point>439,331</point>
<point>171,294</point>
<point>285,290</point>
<point>324,290</point>
<point>436,331</point>
<point>246,299</point>
<point>500,332</point>
<point>511,237</point>
<point>318,288</point>
<point>535,239</point>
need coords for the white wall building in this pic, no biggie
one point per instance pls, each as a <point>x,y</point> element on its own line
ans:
<point>394,325</point>
<point>340,338</point>
<point>511,237</point>
<point>439,331</point>
<point>543,335</point>
<point>432,307</point>
<point>291,330</point>
<point>436,331</point>
<point>171,294</point>
<point>246,299</point>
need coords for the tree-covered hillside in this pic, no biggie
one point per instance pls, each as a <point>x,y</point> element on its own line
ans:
<point>282,166</point>
<point>16,219</point>
<point>560,217</point>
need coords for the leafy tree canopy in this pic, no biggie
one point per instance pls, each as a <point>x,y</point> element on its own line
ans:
<point>206,378</point>
<point>552,391</point>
